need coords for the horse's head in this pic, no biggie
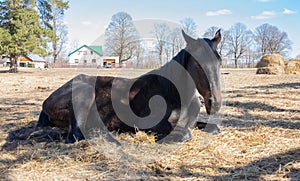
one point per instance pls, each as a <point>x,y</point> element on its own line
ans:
<point>204,67</point>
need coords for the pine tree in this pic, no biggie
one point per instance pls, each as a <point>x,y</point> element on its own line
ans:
<point>25,33</point>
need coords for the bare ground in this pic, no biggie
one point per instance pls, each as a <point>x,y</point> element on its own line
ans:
<point>260,139</point>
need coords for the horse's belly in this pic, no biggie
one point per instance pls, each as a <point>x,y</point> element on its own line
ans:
<point>61,118</point>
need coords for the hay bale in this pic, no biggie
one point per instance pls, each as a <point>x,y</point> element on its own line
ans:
<point>270,70</point>
<point>292,66</point>
<point>270,64</point>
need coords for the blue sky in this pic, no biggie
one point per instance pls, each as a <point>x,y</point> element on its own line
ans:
<point>86,20</point>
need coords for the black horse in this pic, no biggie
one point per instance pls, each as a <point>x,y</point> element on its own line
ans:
<point>162,101</point>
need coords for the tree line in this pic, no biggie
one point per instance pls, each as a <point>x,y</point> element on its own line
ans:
<point>239,43</point>
<point>32,26</point>
<point>36,26</point>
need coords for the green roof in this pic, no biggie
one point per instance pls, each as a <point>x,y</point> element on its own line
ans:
<point>96,49</point>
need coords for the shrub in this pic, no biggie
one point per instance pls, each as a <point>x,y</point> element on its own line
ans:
<point>30,65</point>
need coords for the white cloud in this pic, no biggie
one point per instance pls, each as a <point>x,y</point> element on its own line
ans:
<point>219,12</point>
<point>86,23</point>
<point>288,11</point>
<point>265,15</point>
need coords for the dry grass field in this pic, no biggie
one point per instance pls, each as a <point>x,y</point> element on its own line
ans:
<point>260,138</point>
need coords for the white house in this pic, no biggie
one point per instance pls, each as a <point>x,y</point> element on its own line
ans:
<point>86,55</point>
<point>91,55</point>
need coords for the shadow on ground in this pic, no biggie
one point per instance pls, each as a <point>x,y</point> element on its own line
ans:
<point>274,164</point>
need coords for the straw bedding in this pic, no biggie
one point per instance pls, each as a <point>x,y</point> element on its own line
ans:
<point>259,138</point>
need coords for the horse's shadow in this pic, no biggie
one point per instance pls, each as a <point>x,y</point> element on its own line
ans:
<point>29,134</point>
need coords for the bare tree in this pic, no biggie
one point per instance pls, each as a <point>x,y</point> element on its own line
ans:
<point>176,40</point>
<point>271,40</point>
<point>210,32</point>
<point>189,26</point>
<point>139,52</point>
<point>121,37</point>
<point>251,57</point>
<point>59,44</point>
<point>52,13</point>
<point>239,40</point>
<point>74,44</point>
<point>161,33</point>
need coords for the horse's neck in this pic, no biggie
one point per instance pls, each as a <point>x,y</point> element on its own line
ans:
<point>181,58</point>
<point>174,71</point>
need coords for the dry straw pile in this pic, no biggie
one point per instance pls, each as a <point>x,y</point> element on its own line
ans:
<point>271,64</point>
<point>292,66</point>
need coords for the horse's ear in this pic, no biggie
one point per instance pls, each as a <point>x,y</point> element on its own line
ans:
<point>216,40</point>
<point>187,38</point>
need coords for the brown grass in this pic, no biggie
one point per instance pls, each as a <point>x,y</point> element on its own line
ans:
<point>260,138</point>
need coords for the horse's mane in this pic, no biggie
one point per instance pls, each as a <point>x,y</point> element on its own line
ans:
<point>182,57</point>
<point>163,82</point>
<point>167,86</point>
<point>157,76</point>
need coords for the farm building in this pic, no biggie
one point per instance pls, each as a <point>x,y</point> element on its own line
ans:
<point>32,60</point>
<point>90,55</point>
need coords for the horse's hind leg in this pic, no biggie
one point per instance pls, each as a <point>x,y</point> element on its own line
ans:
<point>83,98</point>
<point>43,120</point>
<point>74,133</point>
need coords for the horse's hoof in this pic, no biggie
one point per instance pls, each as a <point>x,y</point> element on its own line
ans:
<point>212,129</point>
<point>69,141</point>
<point>175,137</point>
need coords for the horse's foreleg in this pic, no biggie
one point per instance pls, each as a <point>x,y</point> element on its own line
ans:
<point>178,130</point>
<point>193,111</point>
<point>209,128</point>
<point>178,134</point>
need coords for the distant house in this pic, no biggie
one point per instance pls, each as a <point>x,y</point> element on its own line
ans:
<point>86,55</point>
<point>110,60</point>
<point>90,55</point>
<point>32,60</point>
